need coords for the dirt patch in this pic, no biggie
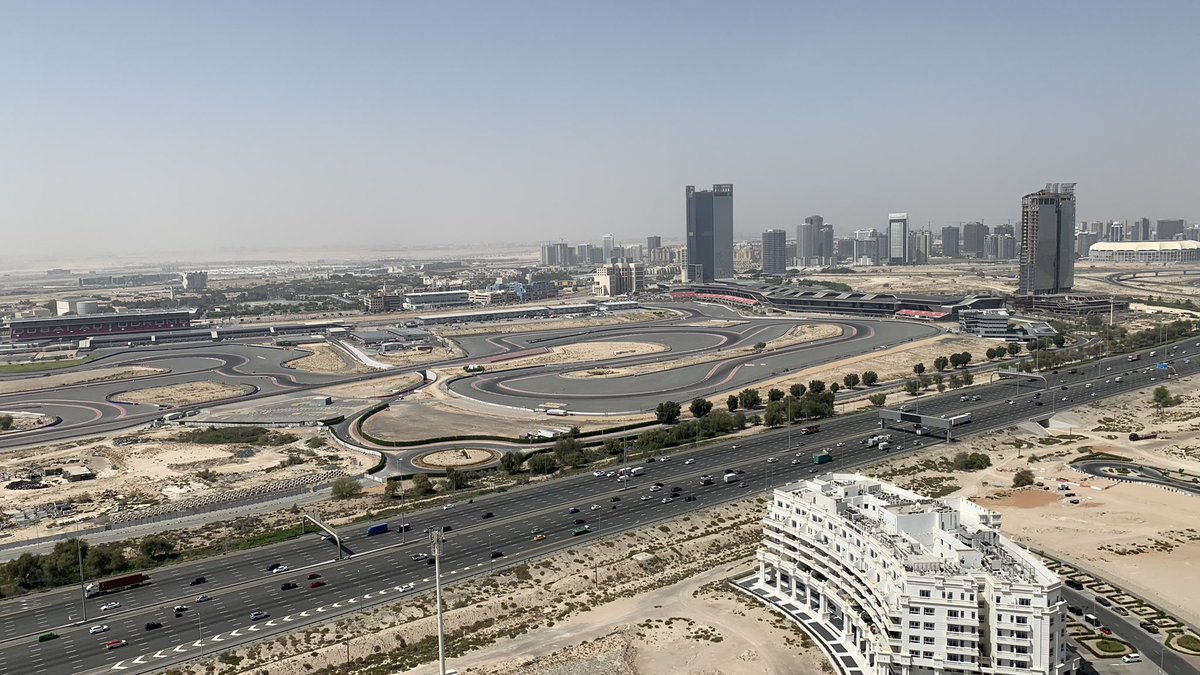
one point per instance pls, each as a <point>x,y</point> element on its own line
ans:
<point>327,360</point>
<point>550,324</point>
<point>180,395</point>
<point>582,352</point>
<point>375,388</point>
<point>456,458</point>
<point>81,377</point>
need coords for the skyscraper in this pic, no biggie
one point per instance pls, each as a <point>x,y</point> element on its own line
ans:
<point>607,245</point>
<point>774,252</point>
<point>920,247</point>
<point>710,231</point>
<point>808,241</point>
<point>950,241</point>
<point>1169,230</point>
<point>973,237</point>
<point>1141,229</point>
<point>897,239</point>
<point>1047,255</point>
<point>653,243</point>
<point>825,245</point>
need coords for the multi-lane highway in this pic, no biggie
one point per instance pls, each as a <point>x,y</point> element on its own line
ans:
<point>239,583</point>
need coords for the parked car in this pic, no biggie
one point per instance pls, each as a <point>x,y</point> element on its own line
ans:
<point>1100,600</point>
<point>1132,658</point>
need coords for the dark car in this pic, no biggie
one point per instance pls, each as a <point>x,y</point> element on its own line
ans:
<point>497,554</point>
<point>615,499</point>
<point>690,498</point>
<point>659,485</point>
<point>197,581</point>
<point>446,528</point>
<point>151,625</point>
<point>1075,610</point>
<point>1149,627</point>
<point>580,521</point>
<point>1071,583</point>
<point>676,489</point>
<point>273,566</point>
<point>314,575</point>
<point>431,561</point>
<point>572,510</point>
<point>487,515</point>
<point>316,584</point>
<point>1104,602</point>
<point>651,459</point>
<point>287,586</point>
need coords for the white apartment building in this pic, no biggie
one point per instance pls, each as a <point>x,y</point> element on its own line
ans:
<point>909,585</point>
<point>986,323</point>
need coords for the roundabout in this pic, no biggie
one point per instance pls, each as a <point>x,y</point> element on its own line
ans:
<point>459,458</point>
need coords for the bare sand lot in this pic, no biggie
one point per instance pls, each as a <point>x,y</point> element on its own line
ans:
<point>1141,537</point>
<point>590,609</point>
<point>179,395</point>
<point>582,352</point>
<point>525,326</point>
<point>146,469</point>
<point>373,388</point>
<point>326,360</point>
<point>432,418</point>
<point>58,380</point>
<point>417,358</point>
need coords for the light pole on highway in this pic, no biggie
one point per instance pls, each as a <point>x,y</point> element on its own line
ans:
<point>82,582</point>
<point>435,545</point>
<point>199,624</point>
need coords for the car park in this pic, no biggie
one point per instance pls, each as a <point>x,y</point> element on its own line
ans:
<point>287,586</point>
<point>258,615</point>
<point>96,630</point>
<point>113,644</point>
<point>110,606</point>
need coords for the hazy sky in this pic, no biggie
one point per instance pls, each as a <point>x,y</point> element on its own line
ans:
<point>168,125</point>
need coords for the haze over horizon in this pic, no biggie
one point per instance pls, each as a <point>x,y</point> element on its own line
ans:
<point>140,126</point>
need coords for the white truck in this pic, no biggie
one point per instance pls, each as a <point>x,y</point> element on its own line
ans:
<point>877,439</point>
<point>730,477</point>
<point>884,446</point>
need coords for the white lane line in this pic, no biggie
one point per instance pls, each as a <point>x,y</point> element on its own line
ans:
<point>235,633</point>
<point>140,660</point>
<point>218,638</point>
<point>118,666</point>
<point>179,649</point>
<point>160,655</point>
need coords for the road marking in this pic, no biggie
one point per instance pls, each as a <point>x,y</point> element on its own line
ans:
<point>271,622</point>
<point>235,633</point>
<point>118,666</point>
<point>337,605</point>
<point>319,609</point>
<point>304,613</point>
<point>254,628</point>
<point>197,643</point>
<point>159,655</point>
<point>179,649</point>
<point>352,600</point>
<point>218,638</point>
<point>139,660</point>
<point>287,618</point>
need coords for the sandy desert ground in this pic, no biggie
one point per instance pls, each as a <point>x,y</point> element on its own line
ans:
<point>326,359</point>
<point>1139,536</point>
<point>180,395</point>
<point>56,380</point>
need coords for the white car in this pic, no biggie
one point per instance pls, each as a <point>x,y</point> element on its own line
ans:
<point>664,458</point>
<point>281,568</point>
<point>841,445</point>
<point>109,605</point>
<point>1132,658</point>
<point>689,460</point>
<point>796,461</point>
<point>654,488</point>
<point>646,498</point>
<point>667,500</point>
<point>734,446</point>
<point>447,507</point>
<point>772,460</point>
<point>596,507</point>
<point>202,598</point>
<point>96,630</point>
<point>610,474</point>
<point>597,474</point>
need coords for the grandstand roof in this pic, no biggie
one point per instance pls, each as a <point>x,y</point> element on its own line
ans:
<point>1183,245</point>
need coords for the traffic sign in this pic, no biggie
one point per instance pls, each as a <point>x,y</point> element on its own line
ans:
<point>1162,366</point>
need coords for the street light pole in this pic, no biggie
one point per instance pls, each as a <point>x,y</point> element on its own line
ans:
<point>435,544</point>
<point>82,582</point>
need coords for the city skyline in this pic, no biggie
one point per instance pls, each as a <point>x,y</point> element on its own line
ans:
<point>197,127</point>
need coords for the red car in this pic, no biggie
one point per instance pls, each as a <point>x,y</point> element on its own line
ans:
<point>113,644</point>
<point>1105,630</point>
<point>316,584</point>
<point>314,575</point>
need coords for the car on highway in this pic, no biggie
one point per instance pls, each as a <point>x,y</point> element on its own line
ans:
<point>772,460</point>
<point>203,598</point>
<point>614,499</point>
<point>598,474</point>
<point>610,474</point>
<point>596,507</point>
<point>580,521</point>
<point>536,530</point>
<point>419,556</point>
<point>316,584</point>
<point>153,625</point>
<point>281,568</point>
<point>180,608</point>
<point>287,586</point>
<point>497,554</point>
<point>1132,658</point>
<point>197,581</point>
<point>676,489</point>
<point>1065,398</point>
<point>113,644</point>
<point>667,500</point>
<point>976,398</point>
<point>664,458</point>
<point>646,498</point>
<point>539,537</point>
<point>796,461</point>
<point>1102,601</point>
<point>689,460</point>
<point>743,484</point>
<point>487,515</point>
<point>274,566</point>
<point>96,630</point>
<point>110,606</point>
<point>572,510</point>
<point>258,615</point>
<point>314,575</point>
<point>655,488</point>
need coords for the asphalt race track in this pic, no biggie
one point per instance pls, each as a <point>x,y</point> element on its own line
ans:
<point>86,408</point>
<point>381,566</point>
<point>1135,473</point>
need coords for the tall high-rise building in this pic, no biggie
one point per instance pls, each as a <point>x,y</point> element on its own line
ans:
<point>973,237</point>
<point>1169,230</point>
<point>950,241</point>
<point>710,231</point>
<point>774,252</point>
<point>825,245</point>
<point>920,247</point>
<point>566,256</point>
<point>897,234</point>
<point>653,242</point>
<point>583,254</point>
<point>1116,231</point>
<point>808,241</point>
<point>607,244</point>
<point>549,254</point>
<point>1047,240</point>
<point>867,247</point>
<point>1142,230</point>
<point>1084,241</point>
